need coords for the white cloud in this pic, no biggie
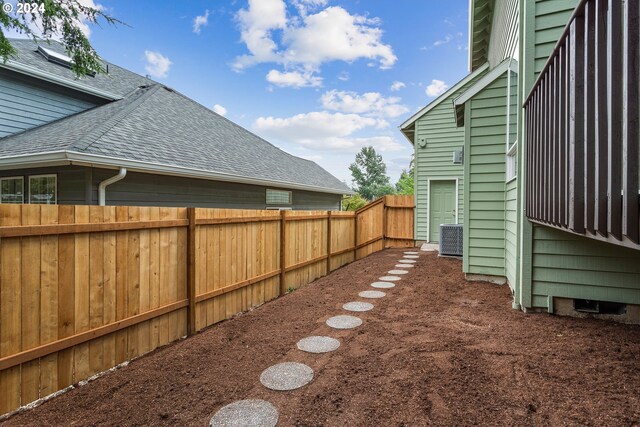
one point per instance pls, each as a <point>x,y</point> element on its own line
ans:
<point>256,24</point>
<point>436,88</point>
<point>370,103</point>
<point>334,34</point>
<point>447,39</point>
<point>293,79</point>
<point>220,109</point>
<point>303,43</point>
<point>344,76</point>
<point>157,64</point>
<point>304,6</point>
<point>200,21</point>
<point>396,86</point>
<point>325,131</point>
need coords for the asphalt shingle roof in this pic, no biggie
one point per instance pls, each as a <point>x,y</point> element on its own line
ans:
<point>118,80</point>
<point>154,124</point>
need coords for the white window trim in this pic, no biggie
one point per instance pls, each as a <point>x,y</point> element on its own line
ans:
<point>274,208</point>
<point>12,177</point>
<point>49,175</point>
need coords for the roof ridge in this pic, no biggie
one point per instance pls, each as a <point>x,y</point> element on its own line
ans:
<point>91,137</point>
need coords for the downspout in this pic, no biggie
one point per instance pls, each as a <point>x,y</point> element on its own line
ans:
<point>102,187</point>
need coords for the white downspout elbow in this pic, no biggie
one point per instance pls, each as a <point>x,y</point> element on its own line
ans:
<point>102,187</point>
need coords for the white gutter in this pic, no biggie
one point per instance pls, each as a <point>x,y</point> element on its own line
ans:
<point>93,160</point>
<point>102,187</point>
<point>52,78</point>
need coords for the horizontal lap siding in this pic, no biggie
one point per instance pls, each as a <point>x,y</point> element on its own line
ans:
<point>484,251</point>
<point>24,106</point>
<point>435,161</point>
<point>511,231</point>
<point>565,265</point>
<point>504,31</point>
<point>149,190</point>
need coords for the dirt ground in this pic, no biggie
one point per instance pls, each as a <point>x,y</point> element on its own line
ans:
<point>436,350</point>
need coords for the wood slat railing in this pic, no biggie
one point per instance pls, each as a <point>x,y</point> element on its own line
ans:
<point>582,132</point>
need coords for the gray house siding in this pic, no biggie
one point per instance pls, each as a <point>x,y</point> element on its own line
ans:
<point>79,185</point>
<point>26,103</point>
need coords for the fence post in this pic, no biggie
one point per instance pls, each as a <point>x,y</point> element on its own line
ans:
<point>384,221</point>
<point>329,242</point>
<point>355,236</point>
<point>283,247</point>
<point>191,270</point>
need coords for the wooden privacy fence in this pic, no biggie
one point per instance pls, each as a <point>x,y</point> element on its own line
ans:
<point>84,288</point>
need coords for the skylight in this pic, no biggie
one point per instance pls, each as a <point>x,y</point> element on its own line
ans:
<point>53,56</point>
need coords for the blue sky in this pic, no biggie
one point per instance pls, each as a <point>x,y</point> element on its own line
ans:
<point>314,77</point>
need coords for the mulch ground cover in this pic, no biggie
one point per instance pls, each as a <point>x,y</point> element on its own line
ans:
<point>437,350</point>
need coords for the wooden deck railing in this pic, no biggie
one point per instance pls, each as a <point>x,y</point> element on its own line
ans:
<point>582,119</point>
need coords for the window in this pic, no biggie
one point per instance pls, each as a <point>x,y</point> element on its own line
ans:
<point>278,197</point>
<point>43,189</point>
<point>12,190</point>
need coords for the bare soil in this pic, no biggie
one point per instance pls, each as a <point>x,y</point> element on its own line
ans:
<point>437,350</point>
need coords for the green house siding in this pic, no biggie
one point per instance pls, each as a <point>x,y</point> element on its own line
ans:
<point>504,31</point>
<point>485,150</point>
<point>511,232</point>
<point>563,264</point>
<point>570,266</point>
<point>435,160</point>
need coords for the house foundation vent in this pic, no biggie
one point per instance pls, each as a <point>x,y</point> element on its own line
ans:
<point>451,239</point>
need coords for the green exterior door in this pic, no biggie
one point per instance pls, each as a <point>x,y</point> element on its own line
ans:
<point>442,207</point>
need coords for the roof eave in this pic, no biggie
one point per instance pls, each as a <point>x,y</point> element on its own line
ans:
<point>61,81</point>
<point>411,120</point>
<point>59,158</point>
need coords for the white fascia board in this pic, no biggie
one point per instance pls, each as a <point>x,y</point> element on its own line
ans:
<point>509,64</point>
<point>59,158</point>
<point>469,48</point>
<point>52,78</point>
<point>443,97</point>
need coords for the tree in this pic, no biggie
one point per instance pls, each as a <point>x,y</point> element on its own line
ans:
<point>404,185</point>
<point>370,174</point>
<point>51,18</point>
<point>353,203</point>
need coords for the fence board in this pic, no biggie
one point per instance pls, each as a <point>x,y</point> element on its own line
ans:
<point>111,282</point>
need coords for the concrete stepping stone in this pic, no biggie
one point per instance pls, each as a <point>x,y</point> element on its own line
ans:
<point>343,321</point>
<point>403,266</point>
<point>371,294</point>
<point>358,306</point>
<point>390,278</point>
<point>318,344</point>
<point>249,413</point>
<point>398,272</point>
<point>407,261</point>
<point>411,253</point>
<point>383,285</point>
<point>411,256</point>
<point>286,376</point>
